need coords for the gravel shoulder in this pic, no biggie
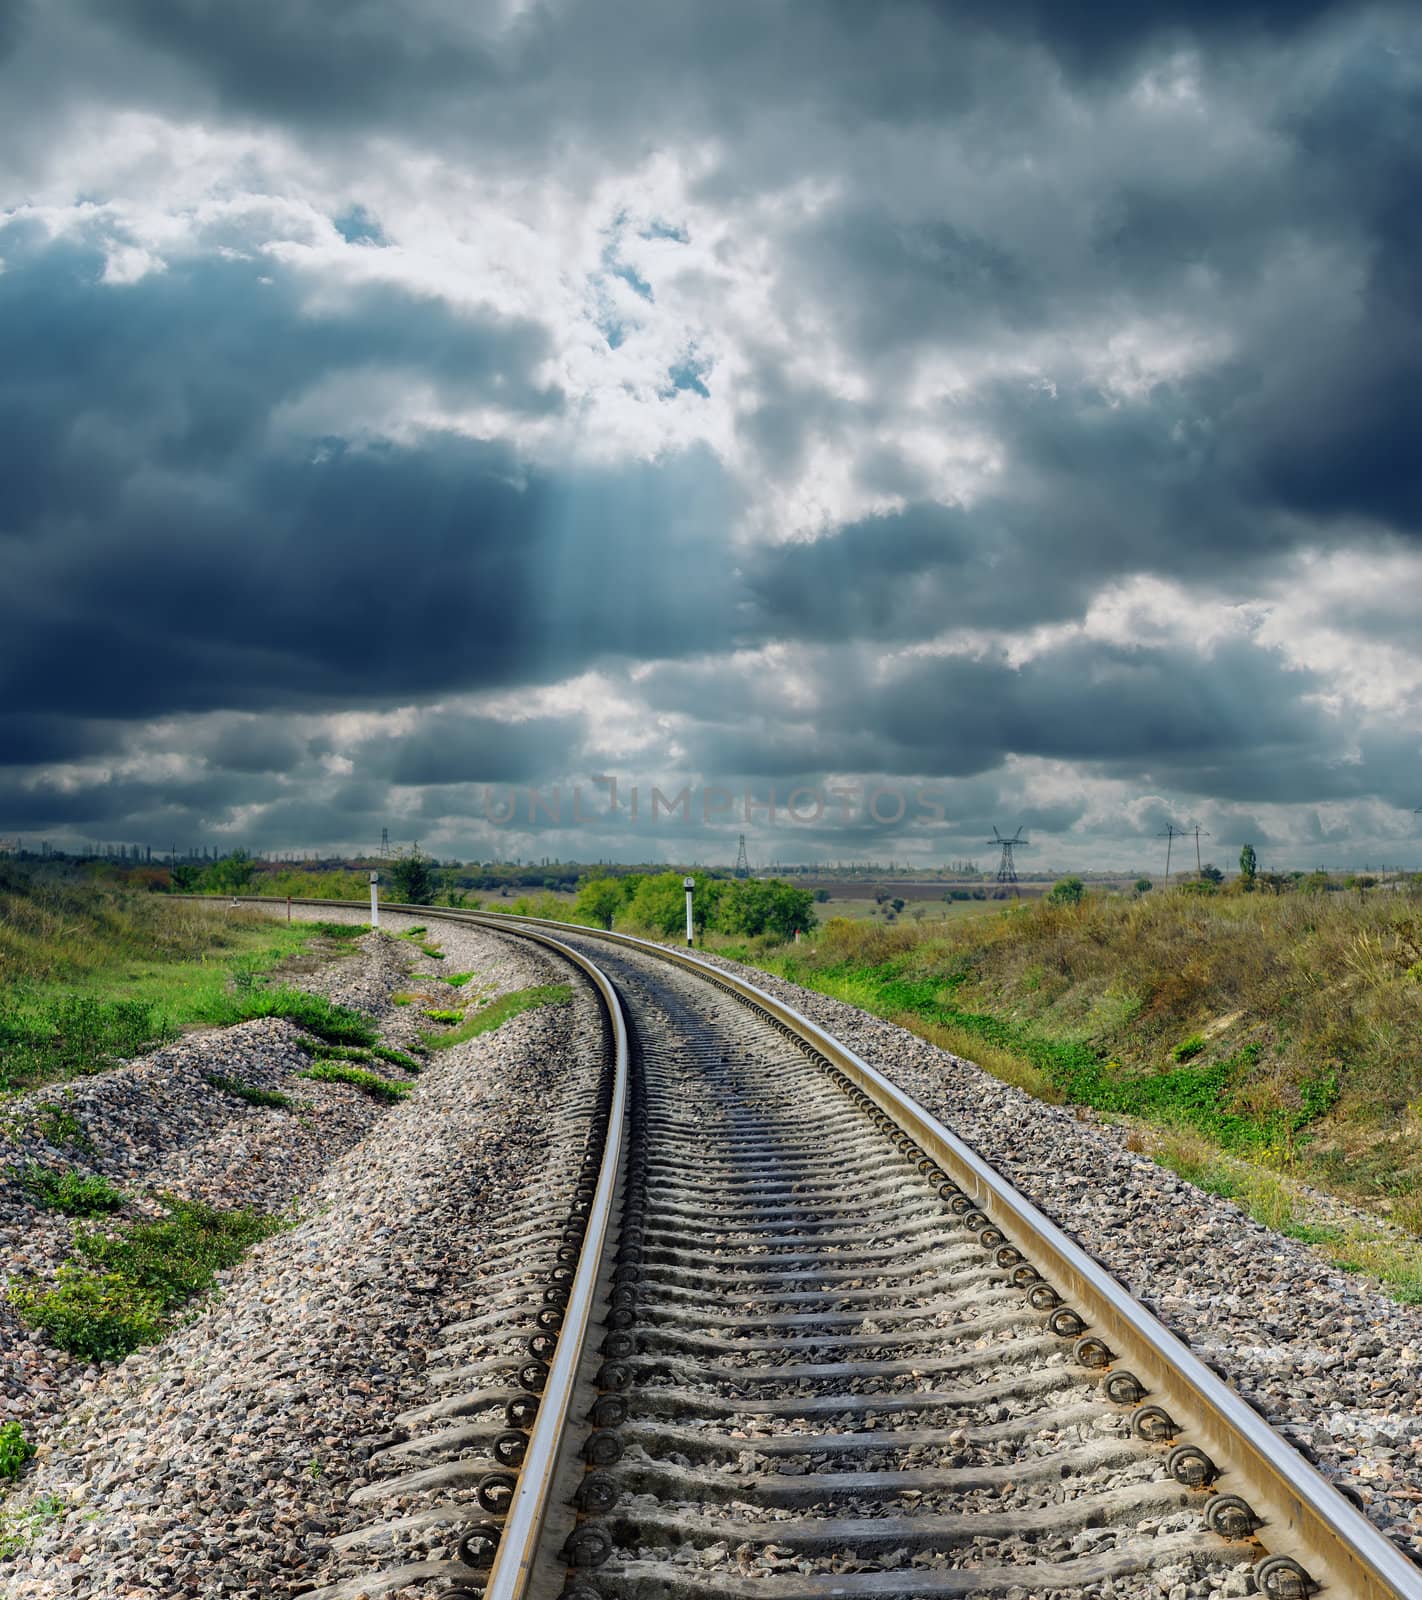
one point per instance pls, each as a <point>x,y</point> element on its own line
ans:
<point>220,1461</point>
<point>1332,1362</point>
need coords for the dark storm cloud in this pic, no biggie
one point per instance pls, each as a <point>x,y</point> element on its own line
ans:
<point>170,548</point>
<point>28,739</point>
<point>1123,709</point>
<point>452,747</point>
<point>984,200</point>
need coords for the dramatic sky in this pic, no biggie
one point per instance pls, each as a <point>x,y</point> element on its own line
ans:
<point>1005,412</point>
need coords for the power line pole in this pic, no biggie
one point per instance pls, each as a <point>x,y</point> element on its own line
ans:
<point>1170,835</point>
<point>1199,870</point>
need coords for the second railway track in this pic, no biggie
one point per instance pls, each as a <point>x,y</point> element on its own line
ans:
<point>781,1335</point>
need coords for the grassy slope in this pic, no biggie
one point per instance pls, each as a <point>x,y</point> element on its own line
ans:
<point>89,969</point>
<point>1265,1035</point>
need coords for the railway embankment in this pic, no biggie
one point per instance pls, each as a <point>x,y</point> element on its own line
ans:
<point>220,1459</point>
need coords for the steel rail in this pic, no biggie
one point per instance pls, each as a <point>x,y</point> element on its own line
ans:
<point>1301,1513</point>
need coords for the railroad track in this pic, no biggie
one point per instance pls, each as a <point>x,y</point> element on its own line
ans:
<point>780,1334</point>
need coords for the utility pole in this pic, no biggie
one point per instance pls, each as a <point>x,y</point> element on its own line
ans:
<point>1170,834</point>
<point>1199,870</point>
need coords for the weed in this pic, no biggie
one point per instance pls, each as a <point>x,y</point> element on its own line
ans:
<point>457,980</point>
<point>179,1256</point>
<point>73,1193</point>
<point>21,1527</point>
<point>60,1127</point>
<point>1187,1049</point>
<point>377,1088</point>
<point>43,1037</point>
<point>433,952</point>
<point>249,1092</point>
<point>339,930</point>
<point>396,1058</point>
<point>415,932</point>
<point>97,1316</point>
<point>499,1012</point>
<point>15,1449</point>
<point>375,1052</point>
<point>324,1018</point>
<point>445,1016</point>
<point>137,1277</point>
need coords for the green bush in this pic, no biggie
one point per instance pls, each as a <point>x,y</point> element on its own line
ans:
<point>249,1092</point>
<point>102,1311</point>
<point>1188,1048</point>
<point>1067,892</point>
<point>15,1449</point>
<point>375,1052</point>
<point>73,1193</point>
<point>412,882</point>
<point>97,1316</point>
<point>377,1088</point>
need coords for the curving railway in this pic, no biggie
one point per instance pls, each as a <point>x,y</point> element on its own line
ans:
<point>771,1330</point>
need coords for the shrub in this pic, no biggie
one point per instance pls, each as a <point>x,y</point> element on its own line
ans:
<point>97,1316</point>
<point>412,881</point>
<point>1067,892</point>
<point>73,1193</point>
<point>1188,1048</point>
<point>445,1016</point>
<point>377,1088</point>
<point>15,1449</point>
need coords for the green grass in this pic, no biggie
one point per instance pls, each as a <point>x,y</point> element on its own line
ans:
<point>433,951</point>
<point>375,1052</point>
<point>1353,1243</point>
<point>384,1089</point>
<point>271,1098</point>
<point>75,1194</point>
<point>1279,1030</point>
<point>396,1058</point>
<point>497,1012</point>
<point>91,974</point>
<point>328,1021</point>
<point>445,1016</point>
<point>457,980</point>
<point>120,1290</point>
<point>15,1450</point>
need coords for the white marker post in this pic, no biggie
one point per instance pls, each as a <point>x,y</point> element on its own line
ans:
<point>688,884</point>
<point>375,899</point>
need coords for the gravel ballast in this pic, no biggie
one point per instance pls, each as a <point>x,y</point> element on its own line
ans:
<point>220,1461</point>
